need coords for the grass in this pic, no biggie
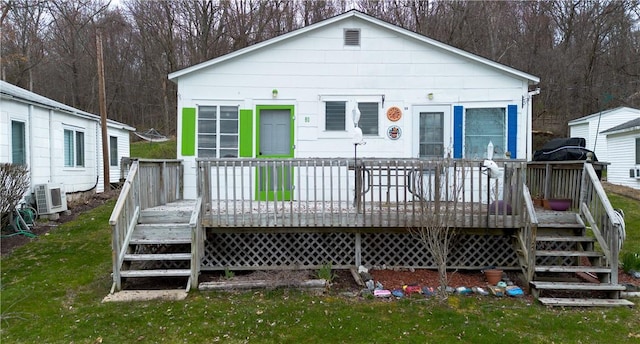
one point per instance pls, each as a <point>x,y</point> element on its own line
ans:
<point>632,221</point>
<point>52,288</point>
<point>154,150</point>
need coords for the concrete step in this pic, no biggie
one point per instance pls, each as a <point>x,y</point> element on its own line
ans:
<point>156,273</point>
<point>575,302</point>
<point>160,256</point>
<point>173,233</point>
<point>576,286</point>
<point>560,268</point>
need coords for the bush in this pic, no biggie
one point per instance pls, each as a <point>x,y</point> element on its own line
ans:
<point>630,261</point>
<point>15,182</point>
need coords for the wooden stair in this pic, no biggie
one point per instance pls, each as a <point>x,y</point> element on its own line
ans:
<point>565,259</point>
<point>160,245</point>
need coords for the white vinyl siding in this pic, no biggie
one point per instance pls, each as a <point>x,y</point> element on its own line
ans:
<point>484,125</point>
<point>218,131</point>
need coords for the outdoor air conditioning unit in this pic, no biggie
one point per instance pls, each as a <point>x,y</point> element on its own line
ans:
<point>50,198</point>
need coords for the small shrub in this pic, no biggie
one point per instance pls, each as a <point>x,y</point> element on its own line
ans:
<point>630,261</point>
<point>326,273</point>
<point>228,274</point>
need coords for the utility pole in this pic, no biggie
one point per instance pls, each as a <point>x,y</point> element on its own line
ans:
<point>103,111</point>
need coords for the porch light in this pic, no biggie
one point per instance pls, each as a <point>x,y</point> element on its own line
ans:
<point>430,96</point>
<point>274,93</point>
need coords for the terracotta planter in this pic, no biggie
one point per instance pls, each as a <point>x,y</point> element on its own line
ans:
<point>545,204</point>
<point>493,276</point>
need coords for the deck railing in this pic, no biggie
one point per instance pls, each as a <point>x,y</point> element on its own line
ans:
<point>149,183</point>
<point>602,219</point>
<point>373,193</point>
<point>527,237</point>
<point>124,219</point>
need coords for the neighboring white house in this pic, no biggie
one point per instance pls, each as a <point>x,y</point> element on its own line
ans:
<point>591,128</point>
<point>624,153</point>
<point>296,96</point>
<point>61,145</point>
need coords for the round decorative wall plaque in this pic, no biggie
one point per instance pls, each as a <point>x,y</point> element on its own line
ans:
<point>394,113</point>
<point>394,132</point>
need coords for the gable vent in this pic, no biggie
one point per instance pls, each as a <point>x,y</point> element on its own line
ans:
<point>352,37</point>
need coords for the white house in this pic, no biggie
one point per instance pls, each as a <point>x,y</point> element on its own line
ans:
<point>61,145</point>
<point>297,95</point>
<point>591,128</point>
<point>624,152</point>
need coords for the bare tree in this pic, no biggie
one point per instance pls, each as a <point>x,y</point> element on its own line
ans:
<point>440,185</point>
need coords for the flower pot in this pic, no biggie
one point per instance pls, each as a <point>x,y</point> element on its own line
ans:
<point>493,276</point>
<point>560,204</point>
<point>545,204</point>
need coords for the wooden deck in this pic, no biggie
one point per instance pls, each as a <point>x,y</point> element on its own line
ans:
<point>306,213</point>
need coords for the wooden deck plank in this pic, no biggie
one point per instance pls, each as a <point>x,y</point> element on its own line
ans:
<point>559,268</point>
<point>574,302</point>
<point>540,253</point>
<point>576,286</point>
<point>156,273</point>
<point>161,234</point>
<point>160,256</point>
<point>565,238</point>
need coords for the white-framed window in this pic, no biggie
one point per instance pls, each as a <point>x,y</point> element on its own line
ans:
<point>218,131</point>
<point>113,150</point>
<point>637,150</point>
<point>484,125</point>
<point>339,115</point>
<point>73,148</point>
<point>18,143</point>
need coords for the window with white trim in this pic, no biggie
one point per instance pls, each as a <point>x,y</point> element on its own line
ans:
<point>638,151</point>
<point>73,148</point>
<point>218,131</point>
<point>18,143</point>
<point>484,125</point>
<point>113,150</point>
<point>338,114</point>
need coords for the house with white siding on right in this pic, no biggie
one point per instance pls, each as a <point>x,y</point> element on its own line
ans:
<point>591,128</point>
<point>624,153</point>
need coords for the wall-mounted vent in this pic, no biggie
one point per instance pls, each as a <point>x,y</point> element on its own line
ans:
<point>352,37</point>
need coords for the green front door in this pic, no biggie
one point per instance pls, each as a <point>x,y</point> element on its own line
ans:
<point>275,141</point>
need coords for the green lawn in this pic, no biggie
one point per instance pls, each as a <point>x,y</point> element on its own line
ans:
<point>154,150</point>
<point>52,290</point>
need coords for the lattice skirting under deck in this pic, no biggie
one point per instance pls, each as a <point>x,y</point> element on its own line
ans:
<point>309,250</point>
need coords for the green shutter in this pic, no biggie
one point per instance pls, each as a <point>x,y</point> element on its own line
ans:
<point>246,134</point>
<point>188,132</point>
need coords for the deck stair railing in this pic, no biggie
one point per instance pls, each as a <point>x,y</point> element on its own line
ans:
<point>149,183</point>
<point>602,219</point>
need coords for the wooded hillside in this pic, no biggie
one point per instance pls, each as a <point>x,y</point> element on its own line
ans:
<point>587,53</point>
